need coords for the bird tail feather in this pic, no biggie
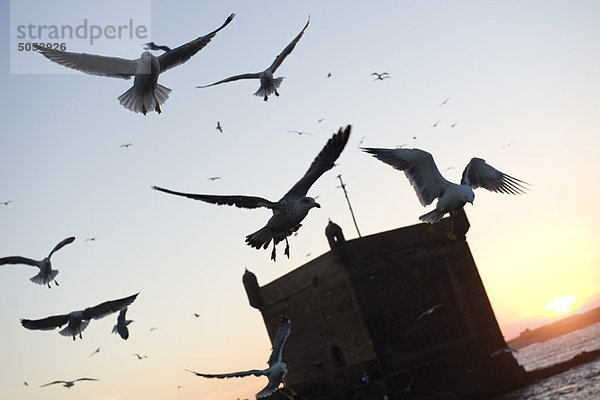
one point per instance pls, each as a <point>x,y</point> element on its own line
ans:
<point>263,237</point>
<point>42,279</point>
<point>266,392</point>
<point>432,216</point>
<point>267,91</point>
<point>134,101</point>
<point>69,332</point>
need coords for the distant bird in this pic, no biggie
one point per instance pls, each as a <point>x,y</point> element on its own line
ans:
<point>381,76</point>
<point>214,178</point>
<point>268,84</point>
<point>7,202</point>
<point>196,315</point>
<point>292,208</point>
<point>46,274</point>
<point>428,312</point>
<point>91,239</point>
<point>429,184</point>
<point>126,145</point>
<point>507,145</point>
<point>153,329</point>
<point>505,349</point>
<point>277,369</point>
<point>453,124</point>
<point>362,139</point>
<point>300,133</point>
<point>219,127</point>
<point>121,326</point>
<point>443,103</point>
<point>153,46</point>
<point>139,356</point>
<point>436,123</point>
<point>95,351</point>
<point>25,383</point>
<point>321,120</point>
<point>78,320</point>
<point>329,74</point>
<point>69,384</point>
<point>449,169</point>
<point>146,94</point>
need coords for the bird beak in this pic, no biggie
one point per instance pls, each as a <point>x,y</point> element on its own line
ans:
<point>317,205</point>
<point>471,202</point>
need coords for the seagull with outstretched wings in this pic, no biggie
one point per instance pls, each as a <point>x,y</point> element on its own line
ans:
<point>277,368</point>
<point>77,321</point>
<point>46,274</point>
<point>121,326</point>
<point>69,384</point>
<point>155,47</point>
<point>429,184</point>
<point>292,208</point>
<point>146,94</point>
<point>268,84</point>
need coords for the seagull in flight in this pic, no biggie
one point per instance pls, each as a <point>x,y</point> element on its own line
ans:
<point>7,202</point>
<point>214,178</point>
<point>196,315</point>
<point>381,76</point>
<point>146,94</point>
<point>300,133</point>
<point>140,357</point>
<point>429,184</point>
<point>154,46</point>
<point>292,208</point>
<point>126,145</point>
<point>46,274</point>
<point>277,369</point>
<point>428,312</point>
<point>95,351</point>
<point>268,84</point>
<point>443,103</point>
<point>77,321</point>
<point>219,127</point>
<point>69,384</point>
<point>91,239</point>
<point>121,326</point>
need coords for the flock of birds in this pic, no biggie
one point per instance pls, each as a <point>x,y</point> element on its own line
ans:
<point>289,211</point>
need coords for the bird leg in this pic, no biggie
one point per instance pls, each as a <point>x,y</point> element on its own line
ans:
<point>55,283</point>
<point>451,234</point>
<point>266,98</point>
<point>273,252</point>
<point>276,93</point>
<point>287,248</point>
<point>73,337</point>
<point>157,106</point>
<point>144,110</point>
<point>48,285</point>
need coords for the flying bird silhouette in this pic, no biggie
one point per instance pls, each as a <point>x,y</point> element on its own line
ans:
<point>277,369</point>
<point>214,178</point>
<point>154,46</point>
<point>292,208</point>
<point>219,127</point>
<point>146,93</point>
<point>126,145</point>
<point>121,326</point>
<point>69,384</point>
<point>268,84</point>
<point>443,103</point>
<point>139,356</point>
<point>300,133</point>
<point>428,312</point>
<point>91,239</point>
<point>7,202</point>
<point>95,351</point>
<point>77,321</point>
<point>429,184</point>
<point>196,315</point>
<point>381,76</point>
<point>46,273</point>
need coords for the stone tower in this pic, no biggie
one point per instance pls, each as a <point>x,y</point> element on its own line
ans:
<point>358,325</point>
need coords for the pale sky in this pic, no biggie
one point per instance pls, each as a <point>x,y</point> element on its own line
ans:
<point>524,89</point>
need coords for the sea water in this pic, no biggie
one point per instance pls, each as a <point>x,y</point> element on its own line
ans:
<point>582,382</point>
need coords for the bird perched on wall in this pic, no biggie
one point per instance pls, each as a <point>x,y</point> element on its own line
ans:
<point>121,326</point>
<point>77,321</point>
<point>429,184</point>
<point>268,84</point>
<point>146,94</point>
<point>69,384</point>
<point>46,273</point>
<point>292,208</point>
<point>277,368</point>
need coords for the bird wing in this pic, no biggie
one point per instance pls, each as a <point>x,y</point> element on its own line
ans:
<point>184,52</point>
<point>52,383</point>
<point>85,379</point>
<point>286,52</point>
<point>107,308</point>
<point>254,75</point>
<point>238,201</point>
<point>282,334</point>
<point>90,63</point>
<point>18,260</point>
<point>480,174</point>
<point>46,324</point>
<point>255,372</point>
<point>419,168</point>
<point>121,317</point>
<point>322,163</point>
<point>61,245</point>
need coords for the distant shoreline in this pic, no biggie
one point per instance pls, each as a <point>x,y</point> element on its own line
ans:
<point>555,329</point>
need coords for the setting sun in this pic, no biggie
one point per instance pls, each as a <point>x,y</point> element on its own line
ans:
<point>561,305</point>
